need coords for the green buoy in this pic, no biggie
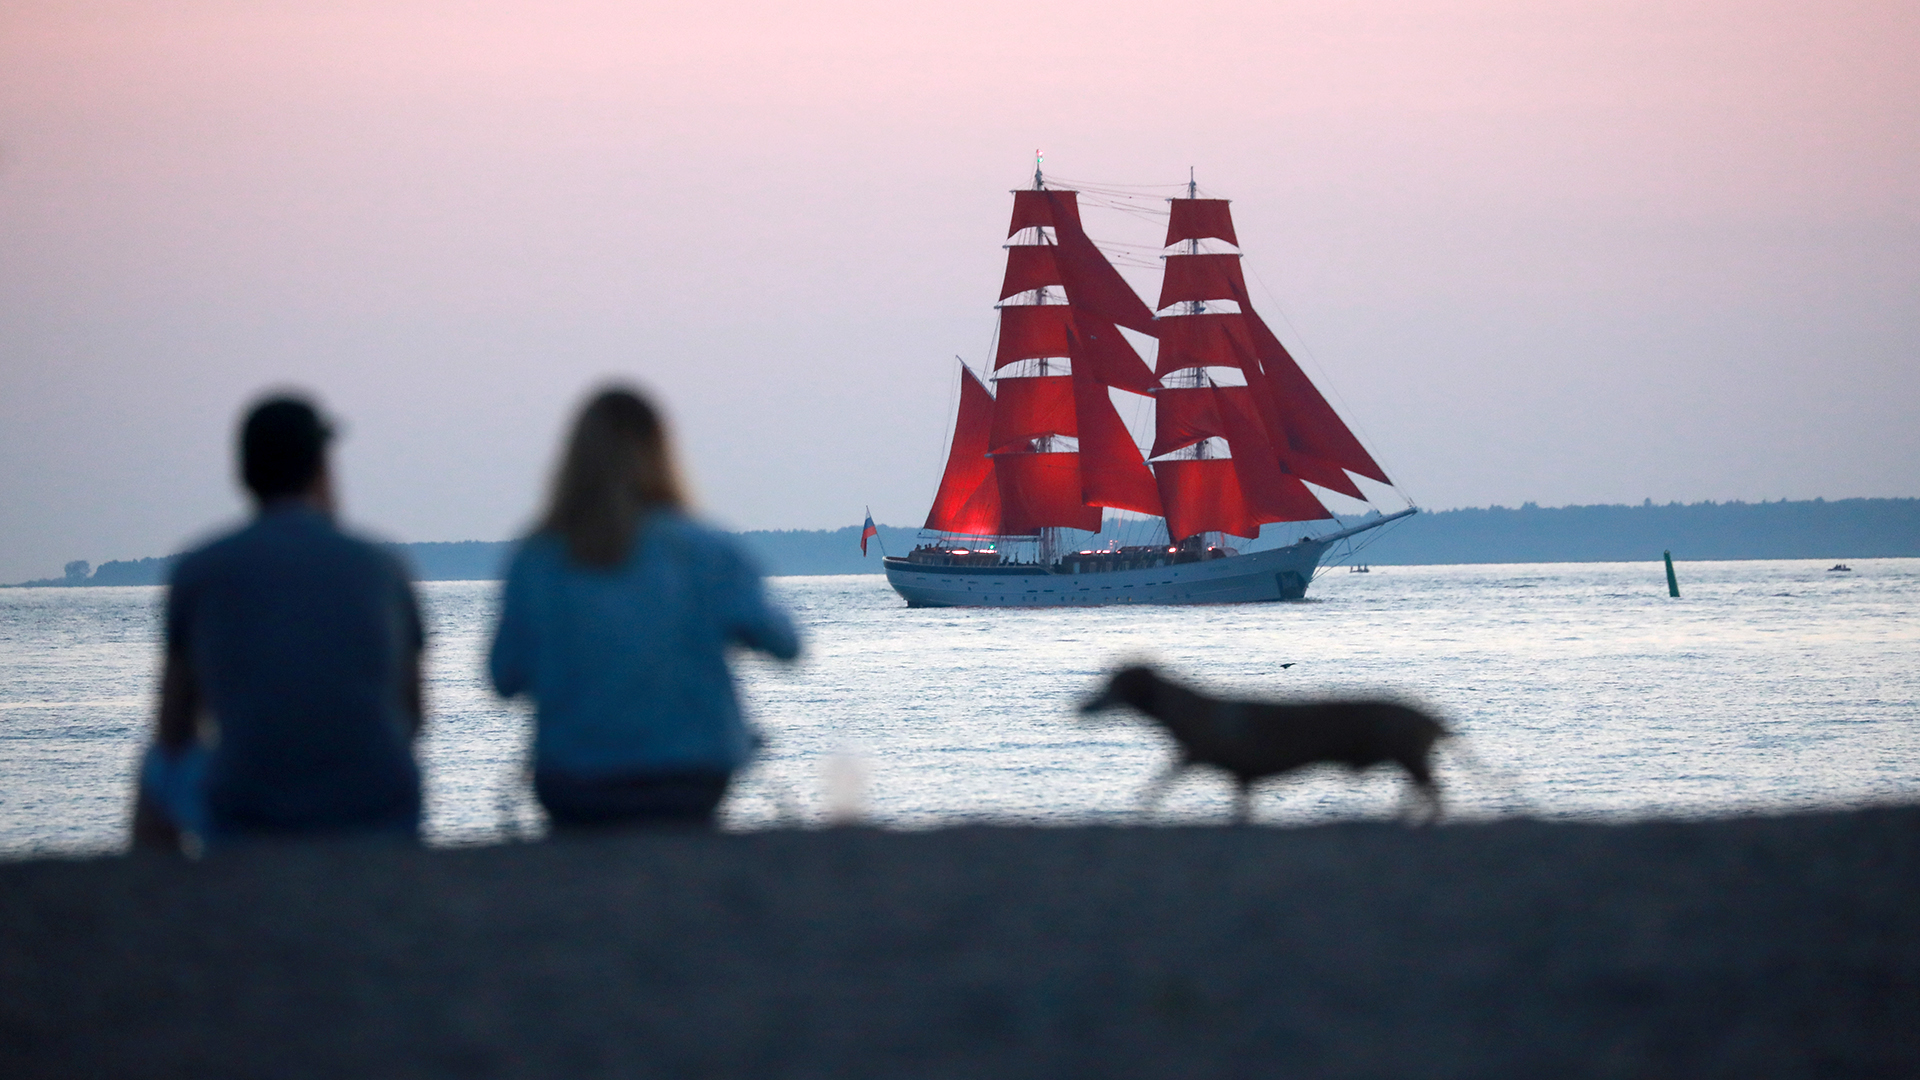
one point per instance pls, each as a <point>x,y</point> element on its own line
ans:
<point>1673,583</point>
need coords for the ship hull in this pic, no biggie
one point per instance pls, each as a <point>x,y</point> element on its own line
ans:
<point>1275,574</point>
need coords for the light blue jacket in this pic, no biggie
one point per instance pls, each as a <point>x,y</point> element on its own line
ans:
<point>627,666</point>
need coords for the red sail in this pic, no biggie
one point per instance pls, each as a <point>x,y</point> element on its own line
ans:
<point>969,497</point>
<point>1211,339</point>
<point>1292,458</point>
<point>1105,352</point>
<point>1268,493</point>
<point>1182,416</point>
<point>1263,489</point>
<point>980,514</point>
<point>1032,208</point>
<point>1092,284</point>
<point>1040,490</point>
<point>1201,277</point>
<point>1202,496</point>
<point>1313,428</point>
<point>1029,408</point>
<point>1199,219</point>
<point>1029,266</point>
<point>1112,472</point>
<point>1030,330</point>
<point>1325,473</point>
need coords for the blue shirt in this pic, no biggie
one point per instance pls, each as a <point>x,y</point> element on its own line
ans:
<point>627,665</point>
<point>300,640</point>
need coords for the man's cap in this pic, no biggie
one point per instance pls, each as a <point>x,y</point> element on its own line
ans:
<point>282,445</point>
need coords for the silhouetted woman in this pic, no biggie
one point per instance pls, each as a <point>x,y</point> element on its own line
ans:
<point>618,613</point>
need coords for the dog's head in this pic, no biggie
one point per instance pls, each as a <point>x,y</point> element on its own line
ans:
<point>1130,687</point>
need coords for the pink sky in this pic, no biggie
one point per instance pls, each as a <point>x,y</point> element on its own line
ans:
<point>1565,253</point>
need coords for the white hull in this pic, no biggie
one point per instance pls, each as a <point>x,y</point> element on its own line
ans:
<point>1276,574</point>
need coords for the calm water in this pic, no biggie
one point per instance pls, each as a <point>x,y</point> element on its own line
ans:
<point>1585,689</point>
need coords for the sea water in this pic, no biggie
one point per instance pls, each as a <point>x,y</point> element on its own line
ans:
<point>1580,691</point>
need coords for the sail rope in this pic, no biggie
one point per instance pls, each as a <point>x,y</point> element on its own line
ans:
<point>1350,550</point>
<point>1149,202</point>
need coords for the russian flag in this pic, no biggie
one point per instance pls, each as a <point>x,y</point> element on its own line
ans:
<point>866,531</point>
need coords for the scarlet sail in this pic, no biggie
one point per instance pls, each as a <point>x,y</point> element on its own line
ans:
<point>1092,284</point>
<point>1029,266</point>
<point>1308,439</point>
<point>1202,495</point>
<point>1032,408</point>
<point>1036,207</point>
<point>1042,490</point>
<point>1270,493</point>
<point>1009,473</point>
<point>1260,490</point>
<point>1029,331</point>
<point>1201,277</point>
<point>1214,339</point>
<point>1047,449</point>
<point>1182,416</point>
<point>1112,472</point>
<point>1104,352</point>
<point>969,498</point>
<point>1199,219</point>
<point>1313,428</point>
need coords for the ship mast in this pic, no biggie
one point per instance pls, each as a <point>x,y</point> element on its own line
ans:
<point>1196,377</point>
<point>1049,540</point>
<point>1040,294</point>
<point>1043,483</point>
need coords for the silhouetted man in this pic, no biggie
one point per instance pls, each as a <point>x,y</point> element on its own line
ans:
<point>291,693</point>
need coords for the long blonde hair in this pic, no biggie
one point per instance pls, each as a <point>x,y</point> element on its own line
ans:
<point>618,467</point>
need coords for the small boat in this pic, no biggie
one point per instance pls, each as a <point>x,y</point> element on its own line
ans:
<point>1360,569</point>
<point>1840,567</point>
<point>1039,451</point>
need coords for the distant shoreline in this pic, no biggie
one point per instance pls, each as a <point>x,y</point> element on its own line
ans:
<point>1707,531</point>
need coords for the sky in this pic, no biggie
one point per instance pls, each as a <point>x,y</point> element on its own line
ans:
<point>1561,252</point>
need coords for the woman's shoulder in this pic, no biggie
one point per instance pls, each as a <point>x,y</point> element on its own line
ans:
<point>682,525</point>
<point>693,539</point>
<point>537,550</point>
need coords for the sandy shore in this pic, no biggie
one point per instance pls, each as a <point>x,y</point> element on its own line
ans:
<point>1777,947</point>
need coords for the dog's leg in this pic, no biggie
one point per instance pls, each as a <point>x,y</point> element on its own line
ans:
<point>1243,801</point>
<point>1421,804</point>
<point>1429,795</point>
<point>1157,789</point>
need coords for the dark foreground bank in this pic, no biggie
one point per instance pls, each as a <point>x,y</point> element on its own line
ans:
<point>1763,947</point>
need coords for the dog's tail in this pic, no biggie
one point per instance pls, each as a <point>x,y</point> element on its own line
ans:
<point>1461,751</point>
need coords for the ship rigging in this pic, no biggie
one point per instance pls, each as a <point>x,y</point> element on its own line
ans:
<point>1045,451</point>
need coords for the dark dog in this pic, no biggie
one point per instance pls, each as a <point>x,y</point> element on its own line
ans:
<point>1256,739</point>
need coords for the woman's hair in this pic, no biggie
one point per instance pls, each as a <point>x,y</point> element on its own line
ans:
<point>617,468</point>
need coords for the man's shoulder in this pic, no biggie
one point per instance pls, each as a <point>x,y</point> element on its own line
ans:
<point>377,554</point>
<point>210,554</point>
<point>270,536</point>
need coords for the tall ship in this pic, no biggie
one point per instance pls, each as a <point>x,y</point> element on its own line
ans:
<point>1041,456</point>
